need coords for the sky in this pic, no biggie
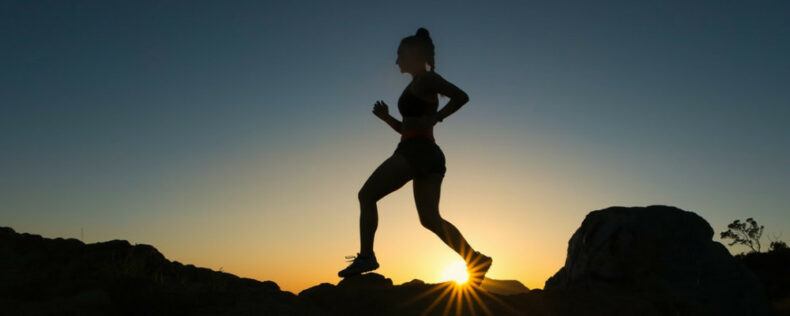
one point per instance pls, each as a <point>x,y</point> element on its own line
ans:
<point>236,135</point>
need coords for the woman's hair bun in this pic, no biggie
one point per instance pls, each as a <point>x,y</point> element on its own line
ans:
<point>422,32</point>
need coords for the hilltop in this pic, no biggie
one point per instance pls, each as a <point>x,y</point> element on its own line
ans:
<point>621,261</point>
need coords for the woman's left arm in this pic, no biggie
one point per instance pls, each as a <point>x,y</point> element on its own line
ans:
<point>458,97</point>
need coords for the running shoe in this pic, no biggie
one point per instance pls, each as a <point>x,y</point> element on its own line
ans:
<point>359,264</point>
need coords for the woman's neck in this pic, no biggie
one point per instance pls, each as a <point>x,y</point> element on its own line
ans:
<point>417,74</point>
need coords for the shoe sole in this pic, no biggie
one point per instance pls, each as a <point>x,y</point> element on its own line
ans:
<point>357,273</point>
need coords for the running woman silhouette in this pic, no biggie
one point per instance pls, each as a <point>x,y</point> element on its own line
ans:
<point>417,157</point>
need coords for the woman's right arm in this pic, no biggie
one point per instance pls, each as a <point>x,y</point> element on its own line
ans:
<point>393,122</point>
<point>381,111</point>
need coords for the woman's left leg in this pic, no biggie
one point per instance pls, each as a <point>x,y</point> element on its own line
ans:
<point>427,190</point>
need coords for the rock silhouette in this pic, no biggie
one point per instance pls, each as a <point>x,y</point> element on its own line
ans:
<point>504,287</point>
<point>773,270</point>
<point>655,260</point>
<point>43,276</point>
<point>664,255</point>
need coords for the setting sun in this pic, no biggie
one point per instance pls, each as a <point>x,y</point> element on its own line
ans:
<point>455,271</point>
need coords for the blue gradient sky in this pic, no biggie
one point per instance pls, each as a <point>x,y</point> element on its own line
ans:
<point>236,135</point>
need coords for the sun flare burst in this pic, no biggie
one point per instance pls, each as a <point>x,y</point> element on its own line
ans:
<point>456,271</point>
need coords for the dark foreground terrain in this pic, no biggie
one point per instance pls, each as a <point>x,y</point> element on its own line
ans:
<point>655,260</point>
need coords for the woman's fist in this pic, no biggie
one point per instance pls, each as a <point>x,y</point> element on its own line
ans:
<point>380,109</point>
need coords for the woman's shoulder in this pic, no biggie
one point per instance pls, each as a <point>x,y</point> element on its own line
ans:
<point>428,76</point>
<point>426,82</point>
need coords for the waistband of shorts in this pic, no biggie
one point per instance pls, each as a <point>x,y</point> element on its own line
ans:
<point>419,139</point>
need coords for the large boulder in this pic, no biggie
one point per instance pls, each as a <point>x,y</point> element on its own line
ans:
<point>663,255</point>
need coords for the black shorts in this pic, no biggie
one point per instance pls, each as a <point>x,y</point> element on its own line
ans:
<point>424,156</point>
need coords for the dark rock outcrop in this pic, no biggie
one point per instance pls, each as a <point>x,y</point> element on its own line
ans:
<point>504,287</point>
<point>662,255</point>
<point>43,276</point>
<point>773,270</point>
<point>374,294</point>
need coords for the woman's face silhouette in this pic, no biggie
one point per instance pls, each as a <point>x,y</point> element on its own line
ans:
<point>409,59</point>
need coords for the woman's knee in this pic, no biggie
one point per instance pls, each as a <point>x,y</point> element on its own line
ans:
<point>432,223</point>
<point>365,196</point>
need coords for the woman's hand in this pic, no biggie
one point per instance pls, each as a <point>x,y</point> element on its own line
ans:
<point>434,118</point>
<point>380,110</point>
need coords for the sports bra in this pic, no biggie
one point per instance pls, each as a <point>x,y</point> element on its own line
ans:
<point>411,105</point>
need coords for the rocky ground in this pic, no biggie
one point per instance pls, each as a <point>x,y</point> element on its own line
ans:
<point>655,260</point>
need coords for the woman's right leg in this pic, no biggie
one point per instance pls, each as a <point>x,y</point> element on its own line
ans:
<point>391,175</point>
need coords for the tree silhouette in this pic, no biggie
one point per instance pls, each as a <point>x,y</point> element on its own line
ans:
<point>777,245</point>
<point>746,233</point>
